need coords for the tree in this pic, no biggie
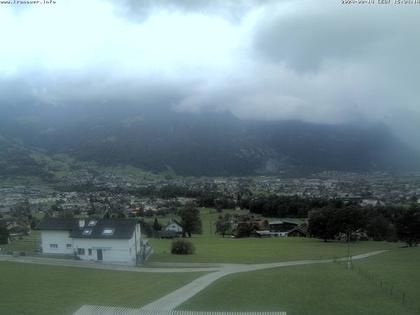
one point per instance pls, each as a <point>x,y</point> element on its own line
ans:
<point>408,226</point>
<point>4,235</point>
<point>321,223</point>
<point>190,220</point>
<point>350,220</point>
<point>146,228</point>
<point>156,225</point>
<point>379,227</point>
<point>224,225</point>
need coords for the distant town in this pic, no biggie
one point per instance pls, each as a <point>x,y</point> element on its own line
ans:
<point>84,194</point>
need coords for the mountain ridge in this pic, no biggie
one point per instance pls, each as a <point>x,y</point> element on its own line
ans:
<point>205,144</point>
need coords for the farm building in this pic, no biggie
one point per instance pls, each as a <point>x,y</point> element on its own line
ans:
<point>171,230</point>
<point>283,228</point>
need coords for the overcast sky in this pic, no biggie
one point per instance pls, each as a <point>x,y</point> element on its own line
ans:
<point>315,60</point>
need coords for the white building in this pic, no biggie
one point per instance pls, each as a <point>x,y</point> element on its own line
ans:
<point>115,241</point>
<point>173,226</point>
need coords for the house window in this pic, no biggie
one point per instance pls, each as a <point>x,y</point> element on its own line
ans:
<point>90,252</point>
<point>53,245</point>
<point>68,245</point>
<point>80,251</point>
<point>108,231</point>
<point>87,232</point>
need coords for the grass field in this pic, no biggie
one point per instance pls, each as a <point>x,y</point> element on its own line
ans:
<point>260,250</point>
<point>397,271</point>
<point>326,289</point>
<point>211,247</point>
<point>27,289</point>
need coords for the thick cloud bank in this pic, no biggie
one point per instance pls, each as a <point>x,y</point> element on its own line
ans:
<point>318,61</point>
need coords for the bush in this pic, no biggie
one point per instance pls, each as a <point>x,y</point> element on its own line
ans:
<point>182,247</point>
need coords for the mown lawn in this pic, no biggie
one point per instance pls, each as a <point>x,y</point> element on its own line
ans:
<point>212,248</point>
<point>325,289</point>
<point>27,289</point>
<point>260,250</point>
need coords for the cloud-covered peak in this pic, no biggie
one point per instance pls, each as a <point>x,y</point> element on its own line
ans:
<point>296,59</point>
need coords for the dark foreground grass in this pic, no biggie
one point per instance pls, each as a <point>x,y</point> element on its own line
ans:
<point>325,289</point>
<point>260,250</point>
<point>41,290</point>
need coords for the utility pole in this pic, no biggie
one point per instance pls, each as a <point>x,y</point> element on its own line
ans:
<point>348,252</point>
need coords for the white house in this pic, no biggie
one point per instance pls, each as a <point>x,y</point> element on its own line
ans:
<point>171,230</point>
<point>116,241</point>
<point>173,226</point>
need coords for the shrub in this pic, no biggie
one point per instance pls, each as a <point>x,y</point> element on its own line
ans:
<point>182,247</point>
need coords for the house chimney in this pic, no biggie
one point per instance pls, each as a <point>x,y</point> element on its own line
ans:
<point>81,224</point>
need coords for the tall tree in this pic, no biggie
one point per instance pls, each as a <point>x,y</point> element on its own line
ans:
<point>190,220</point>
<point>322,223</point>
<point>224,225</point>
<point>156,225</point>
<point>350,220</point>
<point>408,226</point>
<point>4,235</point>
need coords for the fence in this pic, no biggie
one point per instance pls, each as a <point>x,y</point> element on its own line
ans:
<point>396,293</point>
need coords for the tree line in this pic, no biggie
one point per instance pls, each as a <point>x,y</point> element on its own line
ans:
<point>390,223</point>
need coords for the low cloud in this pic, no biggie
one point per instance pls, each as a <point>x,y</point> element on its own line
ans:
<point>271,60</point>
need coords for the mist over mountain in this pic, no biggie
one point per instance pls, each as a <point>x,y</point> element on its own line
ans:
<point>159,139</point>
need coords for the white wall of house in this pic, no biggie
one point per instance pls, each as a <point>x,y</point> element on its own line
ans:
<point>113,250</point>
<point>173,227</point>
<point>56,242</point>
<point>134,242</point>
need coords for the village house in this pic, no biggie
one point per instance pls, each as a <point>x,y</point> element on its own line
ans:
<point>171,230</point>
<point>173,226</point>
<point>114,241</point>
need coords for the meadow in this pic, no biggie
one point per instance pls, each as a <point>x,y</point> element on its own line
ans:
<point>261,250</point>
<point>27,289</point>
<point>325,289</point>
<point>212,248</point>
<point>321,289</point>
